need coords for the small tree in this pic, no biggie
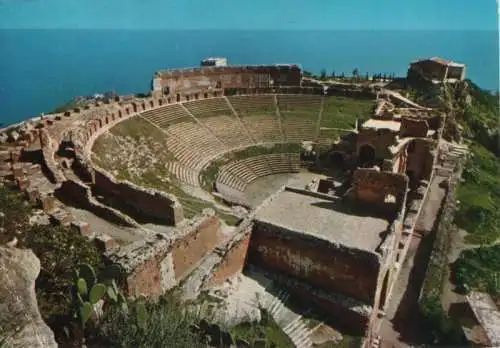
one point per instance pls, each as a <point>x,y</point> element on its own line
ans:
<point>342,76</point>
<point>355,72</point>
<point>333,74</point>
<point>323,74</point>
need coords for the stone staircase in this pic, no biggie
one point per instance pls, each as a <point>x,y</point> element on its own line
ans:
<point>293,324</point>
<point>451,154</point>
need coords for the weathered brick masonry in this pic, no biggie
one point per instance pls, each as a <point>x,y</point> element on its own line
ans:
<point>232,263</point>
<point>156,265</point>
<point>331,267</point>
<point>188,251</point>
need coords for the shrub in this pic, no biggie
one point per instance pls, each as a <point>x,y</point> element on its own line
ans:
<point>58,249</point>
<point>165,324</point>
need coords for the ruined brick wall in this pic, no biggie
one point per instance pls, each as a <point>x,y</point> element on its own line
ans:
<point>370,186</point>
<point>429,69</point>
<point>380,140</point>
<point>150,203</point>
<point>232,262</point>
<point>186,253</point>
<point>145,280</point>
<point>421,159</point>
<point>346,271</point>
<point>158,263</point>
<point>411,127</point>
<point>81,196</point>
<point>345,319</point>
<point>209,78</point>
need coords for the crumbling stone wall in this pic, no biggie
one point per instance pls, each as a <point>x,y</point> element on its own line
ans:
<point>372,187</point>
<point>232,262</point>
<point>332,267</point>
<point>421,159</point>
<point>379,139</point>
<point>150,203</point>
<point>188,251</point>
<point>202,80</point>
<point>412,127</point>
<point>156,264</point>
<point>81,196</point>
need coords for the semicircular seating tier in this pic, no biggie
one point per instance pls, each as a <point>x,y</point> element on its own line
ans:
<point>240,173</point>
<point>199,131</point>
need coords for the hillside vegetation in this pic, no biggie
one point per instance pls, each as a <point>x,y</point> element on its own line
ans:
<point>473,117</point>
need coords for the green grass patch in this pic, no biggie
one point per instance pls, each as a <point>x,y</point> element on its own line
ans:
<point>266,329</point>
<point>342,112</point>
<point>135,144</point>
<point>479,197</point>
<point>329,136</point>
<point>479,269</point>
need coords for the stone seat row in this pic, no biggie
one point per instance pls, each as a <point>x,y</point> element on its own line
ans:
<point>239,174</point>
<point>165,115</point>
<point>229,130</point>
<point>298,101</point>
<point>264,129</point>
<point>192,145</point>
<point>251,104</point>
<point>183,173</point>
<point>299,130</point>
<point>200,108</point>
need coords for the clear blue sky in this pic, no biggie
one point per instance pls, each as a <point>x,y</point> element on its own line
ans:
<point>254,14</point>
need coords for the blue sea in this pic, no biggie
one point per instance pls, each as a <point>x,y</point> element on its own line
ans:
<point>41,69</point>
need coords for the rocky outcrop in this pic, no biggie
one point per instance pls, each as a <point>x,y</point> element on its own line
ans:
<point>20,321</point>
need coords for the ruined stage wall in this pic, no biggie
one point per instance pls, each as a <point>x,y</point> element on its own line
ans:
<point>155,265</point>
<point>232,262</point>
<point>421,160</point>
<point>153,204</point>
<point>371,187</point>
<point>347,271</point>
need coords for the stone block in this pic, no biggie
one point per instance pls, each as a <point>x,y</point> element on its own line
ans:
<point>60,217</point>
<point>15,155</point>
<point>18,170</point>
<point>105,243</point>
<point>5,166</point>
<point>81,227</point>
<point>32,169</point>
<point>23,183</point>
<point>33,194</point>
<point>5,155</point>
<point>48,203</point>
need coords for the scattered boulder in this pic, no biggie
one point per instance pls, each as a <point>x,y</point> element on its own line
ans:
<point>19,314</point>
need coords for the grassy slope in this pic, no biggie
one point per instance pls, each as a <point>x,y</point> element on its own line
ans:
<point>342,112</point>
<point>153,174</point>
<point>479,195</point>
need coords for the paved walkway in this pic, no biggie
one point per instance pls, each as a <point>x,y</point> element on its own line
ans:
<point>401,325</point>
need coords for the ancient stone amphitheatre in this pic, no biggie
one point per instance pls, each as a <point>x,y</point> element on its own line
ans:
<point>313,192</point>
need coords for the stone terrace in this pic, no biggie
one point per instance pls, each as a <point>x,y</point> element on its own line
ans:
<point>323,217</point>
